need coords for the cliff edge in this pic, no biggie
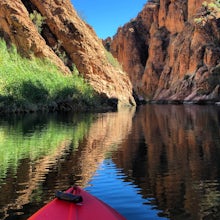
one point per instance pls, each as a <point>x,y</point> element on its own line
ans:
<point>52,29</point>
<point>171,51</point>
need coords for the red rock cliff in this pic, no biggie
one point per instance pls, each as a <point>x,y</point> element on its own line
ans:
<point>63,35</point>
<point>171,50</point>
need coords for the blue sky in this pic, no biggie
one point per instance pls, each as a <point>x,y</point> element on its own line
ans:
<point>106,16</point>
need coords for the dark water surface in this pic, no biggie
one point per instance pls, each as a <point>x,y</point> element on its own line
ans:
<point>156,162</point>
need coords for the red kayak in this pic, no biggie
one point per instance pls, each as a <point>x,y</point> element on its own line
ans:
<point>75,204</point>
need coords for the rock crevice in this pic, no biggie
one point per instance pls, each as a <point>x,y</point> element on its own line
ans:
<point>182,51</point>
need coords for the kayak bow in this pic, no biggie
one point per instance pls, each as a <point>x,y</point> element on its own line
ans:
<point>76,204</point>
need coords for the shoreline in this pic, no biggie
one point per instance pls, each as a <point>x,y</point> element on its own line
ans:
<point>70,106</point>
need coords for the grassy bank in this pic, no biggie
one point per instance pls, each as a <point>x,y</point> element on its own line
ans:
<point>36,84</point>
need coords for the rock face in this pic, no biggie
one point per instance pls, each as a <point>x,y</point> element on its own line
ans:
<point>171,51</point>
<point>66,40</point>
<point>17,27</point>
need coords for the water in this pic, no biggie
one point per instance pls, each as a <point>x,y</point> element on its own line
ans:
<point>121,195</point>
<point>156,162</point>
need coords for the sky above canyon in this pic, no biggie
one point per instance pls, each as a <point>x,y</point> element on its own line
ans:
<point>106,16</point>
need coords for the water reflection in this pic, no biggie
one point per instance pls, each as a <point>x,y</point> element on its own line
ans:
<point>173,155</point>
<point>121,195</point>
<point>53,153</point>
<point>29,153</point>
<point>162,157</point>
<point>105,135</point>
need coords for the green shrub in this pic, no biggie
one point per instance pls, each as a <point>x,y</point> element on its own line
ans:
<point>210,11</point>
<point>38,20</point>
<point>38,81</point>
<point>113,61</point>
<point>60,52</point>
<point>198,20</point>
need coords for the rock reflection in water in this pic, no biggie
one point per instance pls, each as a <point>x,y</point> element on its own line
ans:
<point>169,154</point>
<point>74,149</point>
<point>173,155</point>
<point>105,135</point>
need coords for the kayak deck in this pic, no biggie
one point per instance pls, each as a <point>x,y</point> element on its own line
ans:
<point>90,208</point>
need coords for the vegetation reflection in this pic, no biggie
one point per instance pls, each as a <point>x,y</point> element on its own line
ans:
<point>15,144</point>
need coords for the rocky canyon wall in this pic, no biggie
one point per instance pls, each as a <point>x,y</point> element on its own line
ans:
<point>171,51</point>
<point>66,40</point>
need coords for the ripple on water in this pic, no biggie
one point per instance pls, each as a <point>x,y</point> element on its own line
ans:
<point>108,184</point>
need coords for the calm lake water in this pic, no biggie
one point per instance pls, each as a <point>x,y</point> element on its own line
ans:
<point>156,162</point>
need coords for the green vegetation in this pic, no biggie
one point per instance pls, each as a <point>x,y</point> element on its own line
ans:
<point>210,11</point>
<point>60,53</point>
<point>38,82</point>
<point>37,19</point>
<point>213,7</point>
<point>198,20</point>
<point>113,61</point>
